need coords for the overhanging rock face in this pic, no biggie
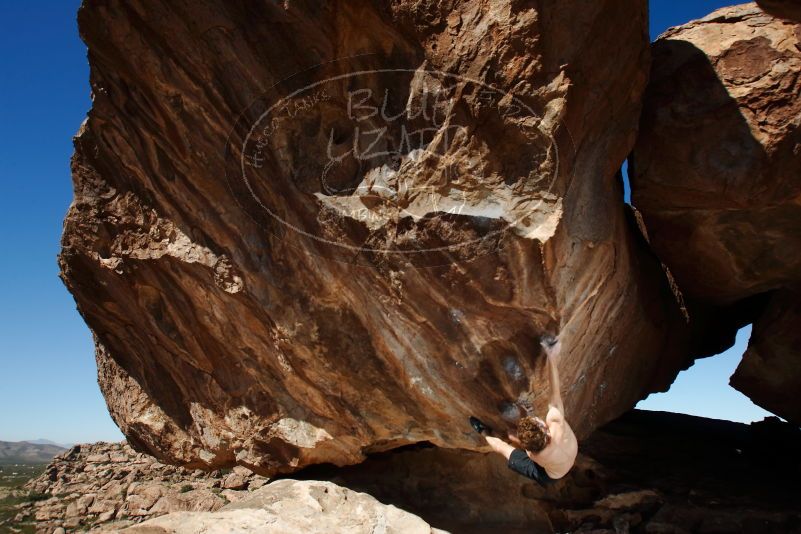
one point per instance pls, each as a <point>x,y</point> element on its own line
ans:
<point>717,175</point>
<point>307,231</point>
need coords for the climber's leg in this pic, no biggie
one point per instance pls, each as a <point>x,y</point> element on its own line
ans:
<point>500,446</point>
<point>519,462</point>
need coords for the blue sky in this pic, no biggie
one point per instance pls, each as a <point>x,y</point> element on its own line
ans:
<point>48,386</point>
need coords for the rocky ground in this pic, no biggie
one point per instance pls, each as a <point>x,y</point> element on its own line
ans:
<point>647,472</point>
<point>295,506</point>
<point>110,484</point>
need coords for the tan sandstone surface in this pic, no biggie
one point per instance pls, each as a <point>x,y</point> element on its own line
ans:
<point>291,506</point>
<point>305,232</point>
<point>716,173</point>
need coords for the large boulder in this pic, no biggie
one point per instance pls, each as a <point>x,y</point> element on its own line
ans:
<point>770,372</point>
<point>789,9</point>
<point>289,506</point>
<point>716,174</point>
<point>307,231</point>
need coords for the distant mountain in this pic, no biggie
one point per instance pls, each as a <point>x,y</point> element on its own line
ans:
<point>25,452</point>
<point>41,441</point>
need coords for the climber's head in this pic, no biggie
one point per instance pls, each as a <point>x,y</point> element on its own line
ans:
<point>533,433</point>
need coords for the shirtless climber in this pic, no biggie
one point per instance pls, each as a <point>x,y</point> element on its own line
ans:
<point>550,445</point>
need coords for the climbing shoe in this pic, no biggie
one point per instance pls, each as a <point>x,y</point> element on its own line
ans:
<point>480,427</point>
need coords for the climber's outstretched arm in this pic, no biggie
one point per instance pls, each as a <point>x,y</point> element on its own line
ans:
<point>552,361</point>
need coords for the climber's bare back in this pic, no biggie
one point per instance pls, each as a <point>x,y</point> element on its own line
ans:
<point>560,454</point>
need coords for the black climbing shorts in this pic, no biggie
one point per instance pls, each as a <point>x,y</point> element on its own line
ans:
<point>521,463</point>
